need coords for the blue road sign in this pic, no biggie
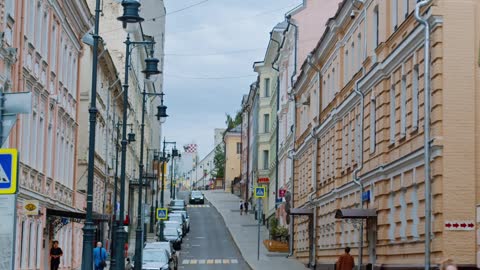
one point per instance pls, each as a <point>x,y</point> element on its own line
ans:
<point>162,213</point>
<point>8,171</point>
<point>260,192</point>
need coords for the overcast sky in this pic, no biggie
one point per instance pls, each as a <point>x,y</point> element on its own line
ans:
<point>210,50</point>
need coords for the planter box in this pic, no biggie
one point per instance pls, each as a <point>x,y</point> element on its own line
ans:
<point>276,246</point>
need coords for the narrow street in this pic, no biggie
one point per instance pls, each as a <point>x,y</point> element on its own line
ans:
<point>208,245</point>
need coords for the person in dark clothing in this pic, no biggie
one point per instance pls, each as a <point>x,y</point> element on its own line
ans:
<point>246,207</point>
<point>55,254</point>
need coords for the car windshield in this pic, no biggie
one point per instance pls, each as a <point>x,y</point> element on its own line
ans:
<point>152,255</point>
<point>177,203</point>
<point>158,245</point>
<point>183,213</point>
<point>196,193</point>
<point>170,232</point>
<point>176,218</point>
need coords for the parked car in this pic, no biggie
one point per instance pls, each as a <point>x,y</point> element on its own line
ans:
<point>166,246</point>
<point>173,236</point>
<point>156,259</point>
<point>185,215</point>
<point>178,217</point>
<point>196,197</point>
<point>177,205</point>
<point>174,224</point>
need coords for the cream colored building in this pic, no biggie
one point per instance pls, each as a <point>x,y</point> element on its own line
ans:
<point>381,50</point>
<point>233,150</point>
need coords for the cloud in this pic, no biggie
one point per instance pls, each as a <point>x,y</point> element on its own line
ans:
<point>206,46</point>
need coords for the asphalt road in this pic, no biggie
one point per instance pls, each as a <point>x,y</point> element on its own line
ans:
<point>208,245</point>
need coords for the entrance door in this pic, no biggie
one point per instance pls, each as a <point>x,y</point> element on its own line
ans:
<point>372,240</point>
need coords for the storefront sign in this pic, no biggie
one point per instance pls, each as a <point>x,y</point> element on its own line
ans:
<point>263,180</point>
<point>31,207</point>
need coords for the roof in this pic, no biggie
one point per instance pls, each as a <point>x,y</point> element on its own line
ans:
<point>237,129</point>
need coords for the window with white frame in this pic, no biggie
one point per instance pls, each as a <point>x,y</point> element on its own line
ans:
<point>267,87</point>
<point>265,159</point>
<point>53,50</point>
<point>394,14</point>
<point>45,22</point>
<point>38,27</point>
<point>403,104</point>
<point>415,95</point>
<point>50,147</point>
<point>334,86</point>
<point>352,62</point>
<point>34,131</point>
<point>31,20</point>
<point>373,123</point>
<point>41,142</point>
<point>392,110</point>
<point>359,50</point>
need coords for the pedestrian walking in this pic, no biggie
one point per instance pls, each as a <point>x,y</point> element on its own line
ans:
<point>241,207</point>
<point>246,207</point>
<point>99,257</point>
<point>55,254</point>
<point>129,265</point>
<point>448,265</point>
<point>345,261</point>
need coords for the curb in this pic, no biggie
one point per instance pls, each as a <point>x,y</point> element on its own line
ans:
<point>231,234</point>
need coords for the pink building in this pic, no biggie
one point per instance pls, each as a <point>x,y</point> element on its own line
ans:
<point>46,62</point>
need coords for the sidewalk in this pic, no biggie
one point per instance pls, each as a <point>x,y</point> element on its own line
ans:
<point>244,232</point>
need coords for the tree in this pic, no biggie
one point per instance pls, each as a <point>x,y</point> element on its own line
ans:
<point>219,162</point>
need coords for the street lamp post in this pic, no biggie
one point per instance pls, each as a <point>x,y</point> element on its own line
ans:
<point>172,184</point>
<point>113,261</point>
<point>89,227</point>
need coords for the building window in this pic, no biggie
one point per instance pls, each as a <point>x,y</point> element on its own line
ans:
<point>53,51</point>
<point>10,7</point>
<point>354,67</point>
<point>266,123</point>
<point>267,87</point>
<point>31,20</point>
<point>415,98</point>
<point>373,123</point>
<point>334,83</point>
<point>403,104</point>
<point>394,14</point>
<point>265,159</point>
<point>344,142</point>
<point>38,30</point>
<point>239,148</point>
<point>392,111</point>
<point>345,68</point>
<point>360,52</point>
<point>45,35</point>
<point>376,19</point>
<point>406,8</point>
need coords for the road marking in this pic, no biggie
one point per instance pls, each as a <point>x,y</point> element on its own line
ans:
<point>210,261</point>
<point>195,245</point>
<point>198,206</point>
<point>200,237</point>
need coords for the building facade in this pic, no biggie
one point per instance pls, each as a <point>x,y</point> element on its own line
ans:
<point>380,52</point>
<point>48,47</point>
<point>233,150</point>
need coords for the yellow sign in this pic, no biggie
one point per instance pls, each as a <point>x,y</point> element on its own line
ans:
<point>8,171</point>
<point>162,213</point>
<point>31,207</point>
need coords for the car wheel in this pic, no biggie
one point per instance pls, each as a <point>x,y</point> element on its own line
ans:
<point>203,202</point>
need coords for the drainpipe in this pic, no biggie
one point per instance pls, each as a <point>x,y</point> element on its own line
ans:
<point>277,90</point>
<point>292,98</point>
<point>426,132</point>
<point>356,178</point>
<point>314,169</point>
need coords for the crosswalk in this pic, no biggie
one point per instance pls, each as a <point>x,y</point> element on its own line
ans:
<point>209,261</point>
<point>198,205</point>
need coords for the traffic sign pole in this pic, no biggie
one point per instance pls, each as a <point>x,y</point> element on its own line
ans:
<point>259,203</point>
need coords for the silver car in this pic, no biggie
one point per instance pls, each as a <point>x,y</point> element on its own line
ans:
<point>185,215</point>
<point>166,246</point>
<point>155,259</point>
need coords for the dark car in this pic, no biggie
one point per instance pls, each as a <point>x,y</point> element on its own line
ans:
<point>174,237</point>
<point>196,197</point>
<point>156,259</point>
<point>177,205</point>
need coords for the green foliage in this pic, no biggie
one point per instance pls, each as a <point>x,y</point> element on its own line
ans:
<point>219,162</point>
<point>277,232</point>
<point>233,122</point>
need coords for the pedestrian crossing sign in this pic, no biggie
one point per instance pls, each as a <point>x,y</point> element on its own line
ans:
<point>260,192</point>
<point>162,213</point>
<point>8,171</point>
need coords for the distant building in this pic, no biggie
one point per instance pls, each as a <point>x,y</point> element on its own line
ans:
<point>233,149</point>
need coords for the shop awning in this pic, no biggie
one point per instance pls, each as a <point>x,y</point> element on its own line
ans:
<point>301,212</point>
<point>77,215</point>
<point>356,213</point>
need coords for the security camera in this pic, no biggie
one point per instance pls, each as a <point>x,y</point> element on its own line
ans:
<point>352,14</point>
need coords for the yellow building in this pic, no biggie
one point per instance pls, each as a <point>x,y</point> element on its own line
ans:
<point>378,47</point>
<point>233,150</point>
